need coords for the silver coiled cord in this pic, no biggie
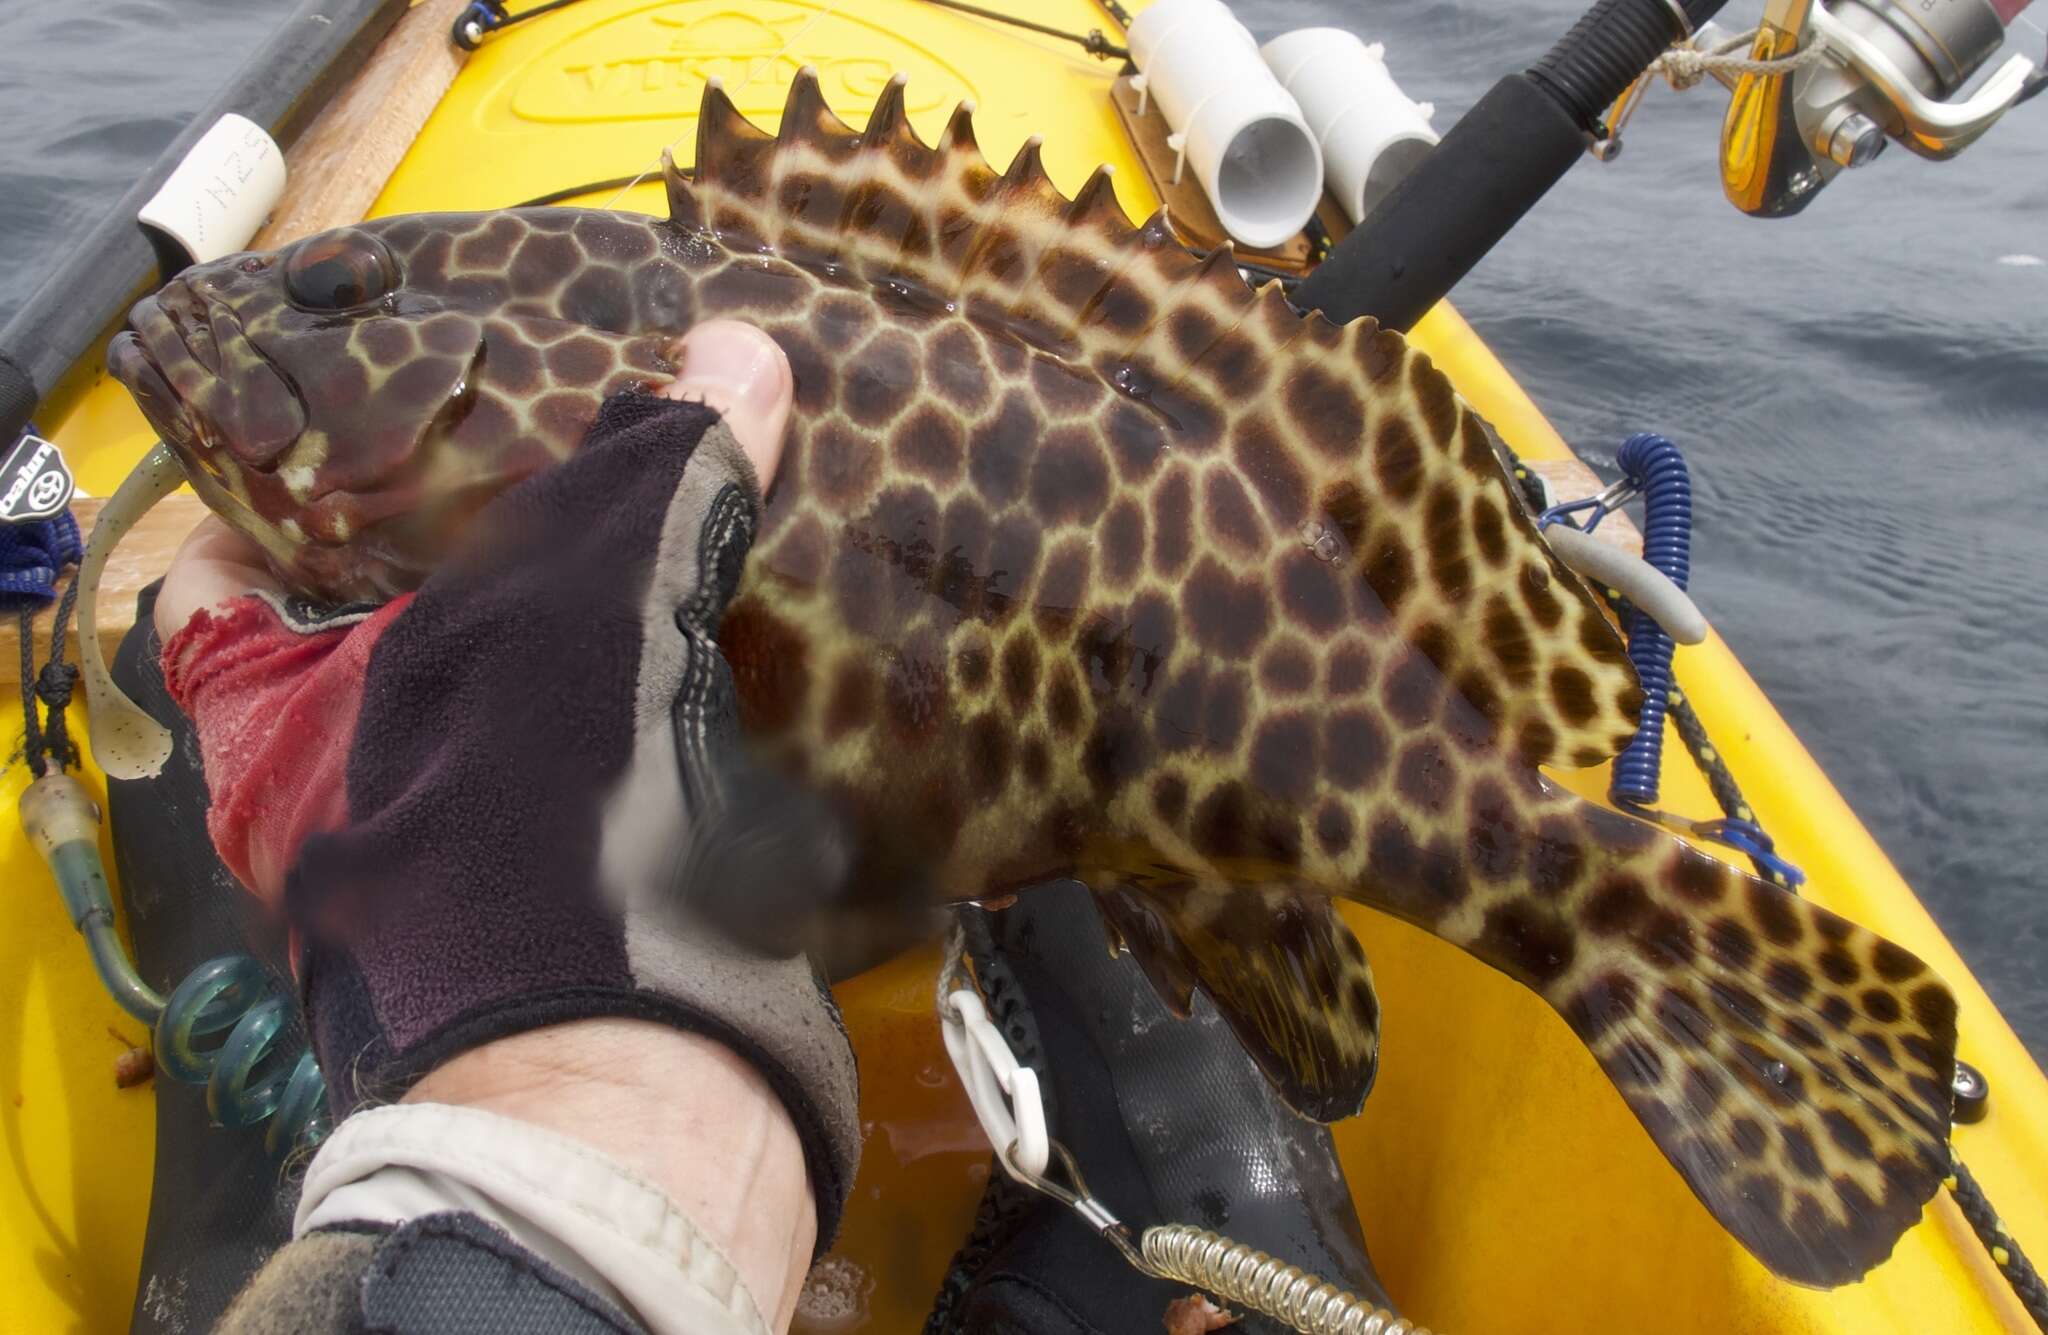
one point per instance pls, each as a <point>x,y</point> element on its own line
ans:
<point>1238,1273</point>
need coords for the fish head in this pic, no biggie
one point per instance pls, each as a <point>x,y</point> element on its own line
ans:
<point>350,400</point>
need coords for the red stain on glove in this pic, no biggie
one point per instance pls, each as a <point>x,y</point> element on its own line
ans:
<point>275,710</point>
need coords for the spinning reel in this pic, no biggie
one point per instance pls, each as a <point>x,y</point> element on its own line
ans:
<point>1886,70</point>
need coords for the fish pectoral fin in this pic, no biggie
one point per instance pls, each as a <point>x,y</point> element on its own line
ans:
<point>1142,931</point>
<point>1283,971</point>
<point>1802,1091</point>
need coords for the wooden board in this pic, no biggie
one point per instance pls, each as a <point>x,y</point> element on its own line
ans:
<point>339,165</point>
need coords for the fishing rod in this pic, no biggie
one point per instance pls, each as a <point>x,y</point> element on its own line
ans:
<point>1505,154</point>
<point>1822,88</point>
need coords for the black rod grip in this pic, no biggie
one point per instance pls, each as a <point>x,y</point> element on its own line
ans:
<point>1610,45</point>
<point>1445,215</point>
<point>280,87</point>
<point>1493,166</point>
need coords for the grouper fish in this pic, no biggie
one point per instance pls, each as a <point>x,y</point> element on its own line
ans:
<point>1087,560</point>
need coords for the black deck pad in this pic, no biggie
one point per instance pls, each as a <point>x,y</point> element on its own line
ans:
<point>219,1204</point>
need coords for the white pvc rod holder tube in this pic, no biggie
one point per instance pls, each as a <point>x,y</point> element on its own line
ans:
<point>1233,124</point>
<point>221,192</point>
<point>1370,132</point>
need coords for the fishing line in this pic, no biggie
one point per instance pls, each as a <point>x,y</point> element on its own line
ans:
<point>575,191</point>
<point>787,42</point>
<point>484,17</point>
<point>1092,41</point>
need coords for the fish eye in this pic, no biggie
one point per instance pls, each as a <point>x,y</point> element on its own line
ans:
<point>339,273</point>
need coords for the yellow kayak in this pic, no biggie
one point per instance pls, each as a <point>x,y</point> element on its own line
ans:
<point>1503,1184</point>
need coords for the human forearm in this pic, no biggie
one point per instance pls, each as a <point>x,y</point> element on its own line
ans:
<point>683,1110</point>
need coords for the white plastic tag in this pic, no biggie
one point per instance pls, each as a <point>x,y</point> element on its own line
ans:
<point>221,193</point>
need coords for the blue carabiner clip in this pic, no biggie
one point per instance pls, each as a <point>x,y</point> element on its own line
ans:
<point>1606,503</point>
<point>1748,837</point>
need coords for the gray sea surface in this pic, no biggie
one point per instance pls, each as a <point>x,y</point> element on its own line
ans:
<point>1862,393</point>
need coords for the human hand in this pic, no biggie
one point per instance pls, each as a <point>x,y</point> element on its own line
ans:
<point>483,806</point>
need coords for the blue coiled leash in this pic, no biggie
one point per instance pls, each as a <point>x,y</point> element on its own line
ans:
<point>1653,468</point>
<point>247,1080</point>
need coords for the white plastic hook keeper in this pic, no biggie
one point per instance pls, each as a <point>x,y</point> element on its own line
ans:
<point>220,194</point>
<point>1003,1091</point>
<point>1370,132</point>
<point>1250,148</point>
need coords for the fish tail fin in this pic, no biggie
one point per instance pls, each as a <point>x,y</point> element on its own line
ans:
<point>1794,1067</point>
<point>1283,970</point>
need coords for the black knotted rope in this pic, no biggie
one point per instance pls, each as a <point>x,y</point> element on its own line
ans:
<point>44,736</point>
<point>2005,1253</point>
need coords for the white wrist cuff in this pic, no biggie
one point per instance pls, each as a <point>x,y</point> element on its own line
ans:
<point>574,1206</point>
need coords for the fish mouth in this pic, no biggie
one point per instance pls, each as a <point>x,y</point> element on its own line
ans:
<point>167,337</point>
<point>129,361</point>
<point>203,382</point>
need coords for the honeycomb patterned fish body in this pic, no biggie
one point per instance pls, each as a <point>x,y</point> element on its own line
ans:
<point>1086,559</point>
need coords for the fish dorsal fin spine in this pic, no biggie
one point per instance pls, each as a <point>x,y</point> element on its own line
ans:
<point>1027,180</point>
<point>732,170</point>
<point>889,129</point>
<point>1017,212</point>
<point>807,119</point>
<point>1379,441</point>
<point>683,208</point>
<point>1083,258</point>
<point>893,171</point>
<point>732,152</point>
<point>807,177</point>
<point>1094,209</point>
<point>962,182</point>
<point>1217,274</point>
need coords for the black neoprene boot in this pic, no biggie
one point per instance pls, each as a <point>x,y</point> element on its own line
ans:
<point>1168,1119</point>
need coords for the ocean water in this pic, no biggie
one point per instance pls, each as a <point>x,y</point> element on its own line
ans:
<point>1862,393</point>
